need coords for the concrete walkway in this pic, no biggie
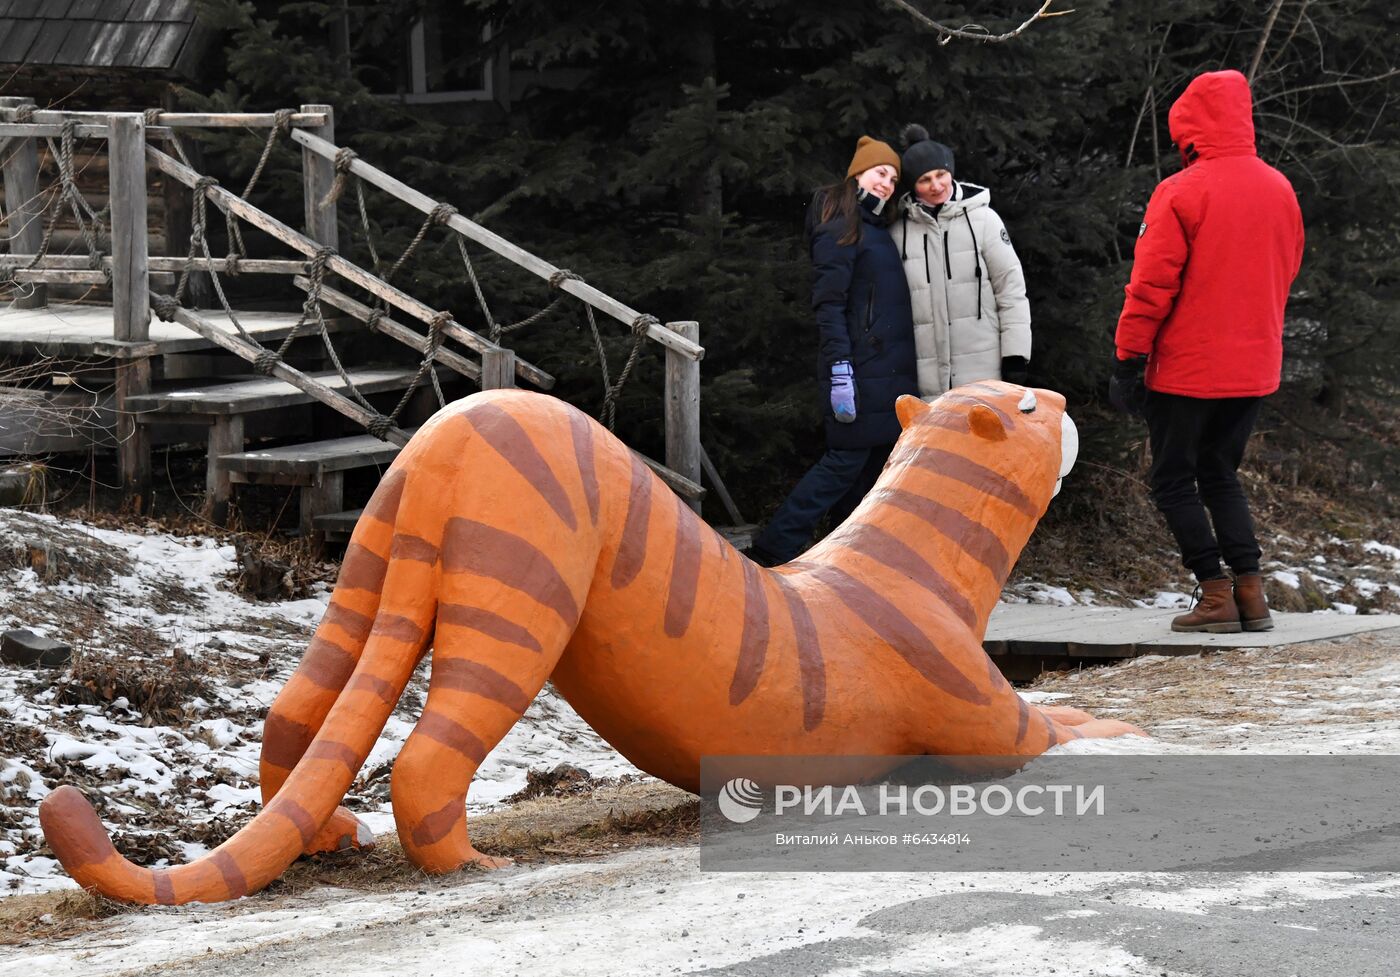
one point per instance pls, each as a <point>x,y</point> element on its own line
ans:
<point>1026,639</point>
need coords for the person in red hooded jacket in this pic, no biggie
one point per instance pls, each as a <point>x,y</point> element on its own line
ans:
<point>1200,338</point>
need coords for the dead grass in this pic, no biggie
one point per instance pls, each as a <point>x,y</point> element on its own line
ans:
<point>1231,686</point>
<point>49,916</point>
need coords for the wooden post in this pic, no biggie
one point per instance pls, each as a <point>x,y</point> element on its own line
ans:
<point>225,438</point>
<point>683,408</point>
<point>131,295</point>
<point>21,187</point>
<point>317,175</point>
<point>497,369</point>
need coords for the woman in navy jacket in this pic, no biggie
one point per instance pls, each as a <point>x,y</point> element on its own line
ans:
<point>866,356</point>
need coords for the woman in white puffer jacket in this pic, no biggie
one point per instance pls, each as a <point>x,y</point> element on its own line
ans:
<point>971,317</point>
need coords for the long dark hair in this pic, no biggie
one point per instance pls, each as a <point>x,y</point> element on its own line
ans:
<point>837,202</point>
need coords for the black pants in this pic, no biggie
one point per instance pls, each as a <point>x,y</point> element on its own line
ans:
<point>833,486</point>
<point>1197,446</point>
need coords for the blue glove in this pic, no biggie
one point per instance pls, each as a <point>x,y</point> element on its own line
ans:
<point>843,391</point>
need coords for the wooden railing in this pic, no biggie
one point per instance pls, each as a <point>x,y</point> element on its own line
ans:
<point>129,137</point>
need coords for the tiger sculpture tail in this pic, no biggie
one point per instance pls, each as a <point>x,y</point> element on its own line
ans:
<point>523,543</point>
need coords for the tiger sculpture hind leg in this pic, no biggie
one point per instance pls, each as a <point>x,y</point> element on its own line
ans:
<point>529,543</point>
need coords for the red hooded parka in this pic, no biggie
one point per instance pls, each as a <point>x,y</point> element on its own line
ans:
<point>1218,249</point>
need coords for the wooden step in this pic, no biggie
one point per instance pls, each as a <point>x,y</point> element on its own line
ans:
<point>337,526</point>
<point>309,463</point>
<point>266,393</point>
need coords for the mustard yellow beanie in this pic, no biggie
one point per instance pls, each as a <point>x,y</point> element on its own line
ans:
<point>872,152</point>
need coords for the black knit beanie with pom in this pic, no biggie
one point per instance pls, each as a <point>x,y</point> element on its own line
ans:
<point>921,154</point>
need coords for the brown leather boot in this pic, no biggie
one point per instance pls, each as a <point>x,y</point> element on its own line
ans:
<point>1249,598</point>
<point>1214,612</point>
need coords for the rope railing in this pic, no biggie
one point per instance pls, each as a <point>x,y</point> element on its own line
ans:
<point>494,242</point>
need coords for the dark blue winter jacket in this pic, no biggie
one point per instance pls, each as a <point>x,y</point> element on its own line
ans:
<point>861,301</point>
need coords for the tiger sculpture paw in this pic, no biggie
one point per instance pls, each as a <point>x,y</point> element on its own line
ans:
<point>522,542</point>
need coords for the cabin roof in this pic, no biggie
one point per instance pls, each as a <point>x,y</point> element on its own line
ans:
<point>146,35</point>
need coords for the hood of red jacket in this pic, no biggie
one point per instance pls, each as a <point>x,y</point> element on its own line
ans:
<point>1213,117</point>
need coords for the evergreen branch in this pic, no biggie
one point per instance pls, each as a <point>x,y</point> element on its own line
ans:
<point>1327,84</point>
<point>976,32</point>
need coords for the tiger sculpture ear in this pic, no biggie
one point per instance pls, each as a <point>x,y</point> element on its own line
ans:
<point>909,409</point>
<point>986,423</point>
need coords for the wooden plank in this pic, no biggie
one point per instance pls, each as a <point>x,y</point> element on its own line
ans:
<point>166,46</point>
<point>131,293</point>
<point>682,408</point>
<point>135,43</point>
<point>317,175</point>
<point>498,369</point>
<point>289,388</point>
<point>501,246</point>
<point>75,47</point>
<point>21,170</point>
<point>676,482</point>
<point>315,458</point>
<point>133,439</point>
<point>46,44</point>
<point>256,266</point>
<point>326,495</point>
<point>226,200</point>
<point>16,39</point>
<point>225,437</point>
<point>167,120</point>
<point>717,483</point>
<point>389,327</point>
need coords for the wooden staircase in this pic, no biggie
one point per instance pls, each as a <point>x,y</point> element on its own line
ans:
<point>174,376</point>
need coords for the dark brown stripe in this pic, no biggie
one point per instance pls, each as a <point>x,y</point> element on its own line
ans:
<point>975,539</point>
<point>384,504</point>
<point>685,571</point>
<point>438,825</point>
<point>398,628</point>
<point>363,682</point>
<point>949,420</point>
<point>811,668</point>
<point>362,569</point>
<point>478,548</point>
<point>326,664</point>
<point>983,479</point>
<point>488,623</point>
<point>284,741</point>
<point>901,634</point>
<point>233,876</point>
<point>353,623</point>
<point>1007,421</point>
<point>753,643</point>
<point>581,428</point>
<point>1024,720</point>
<point>337,752</point>
<point>1049,729</point>
<point>478,679</point>
<point>632,547</point>
<point>447,732</point>
<point>882,547</point>
<point>164,888</point>
<point>414,548</point>
<point>301,819</point>
<point>505,434</point>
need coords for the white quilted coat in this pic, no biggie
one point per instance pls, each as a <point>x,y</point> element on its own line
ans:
<point>967,289</point>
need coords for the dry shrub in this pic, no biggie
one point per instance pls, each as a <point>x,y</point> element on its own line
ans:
<point>159,691</point>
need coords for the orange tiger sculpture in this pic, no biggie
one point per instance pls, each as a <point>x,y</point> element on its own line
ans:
<point>524,542</point>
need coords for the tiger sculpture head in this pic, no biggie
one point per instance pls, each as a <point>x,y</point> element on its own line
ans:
<point>521,542</point>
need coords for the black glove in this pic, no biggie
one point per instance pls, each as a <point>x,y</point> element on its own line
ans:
<point>1127,390</point>
<point>1015,369</point>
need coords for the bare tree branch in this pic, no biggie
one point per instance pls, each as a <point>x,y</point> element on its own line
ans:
<point>1263,40</point>
<point>1338,83</point>
<point>976,32</point>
